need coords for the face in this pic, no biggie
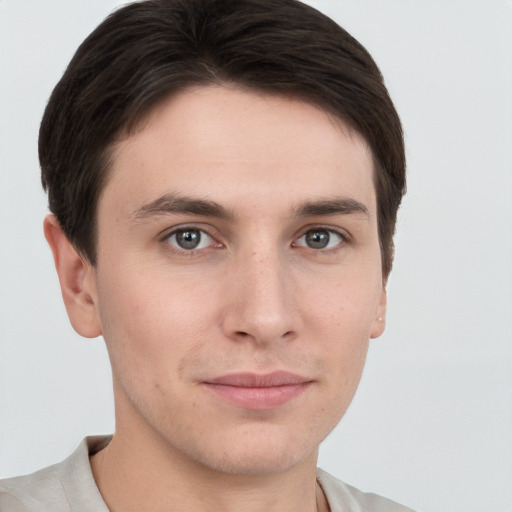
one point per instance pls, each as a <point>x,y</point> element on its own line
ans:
<point>238,278</point>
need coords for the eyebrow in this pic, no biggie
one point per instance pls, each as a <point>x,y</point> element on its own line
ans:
<point>335,206</point>
<point>172,203</point>
<point>169,204</point>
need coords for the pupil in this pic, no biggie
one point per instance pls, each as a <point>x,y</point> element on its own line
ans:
<point>317,239</point>
<point>188,239</point>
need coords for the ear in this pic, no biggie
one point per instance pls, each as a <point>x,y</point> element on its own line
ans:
<point>379,323</point>
<point>77,281</point>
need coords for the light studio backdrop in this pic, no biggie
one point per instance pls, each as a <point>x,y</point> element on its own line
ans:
<point>431,424</point>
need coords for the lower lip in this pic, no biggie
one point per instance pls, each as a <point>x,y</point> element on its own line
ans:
<point>258,399</point>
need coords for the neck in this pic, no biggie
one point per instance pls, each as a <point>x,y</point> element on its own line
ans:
<point>137,473</point>
<point>144,469</point>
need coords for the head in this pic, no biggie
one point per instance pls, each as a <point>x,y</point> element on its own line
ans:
<point>225,177</point>
<point>148,51</point>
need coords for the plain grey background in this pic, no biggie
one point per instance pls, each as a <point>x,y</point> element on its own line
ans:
<point>431,425</point>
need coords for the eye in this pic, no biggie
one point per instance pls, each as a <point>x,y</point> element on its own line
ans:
<point>320,238</point>
<point>189,239</point>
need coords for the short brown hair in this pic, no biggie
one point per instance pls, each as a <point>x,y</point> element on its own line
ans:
<point>147,50</point>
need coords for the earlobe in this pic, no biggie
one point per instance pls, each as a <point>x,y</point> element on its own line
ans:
<point>77,281</point>
<point>379,324</point>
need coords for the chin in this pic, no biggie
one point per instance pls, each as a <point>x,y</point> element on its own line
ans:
<point>258,452</point>
<point>263,463</point>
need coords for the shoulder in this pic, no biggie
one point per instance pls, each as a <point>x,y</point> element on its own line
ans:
<point>31,492</point>
<point>345,498</point>
<point>67,486</point>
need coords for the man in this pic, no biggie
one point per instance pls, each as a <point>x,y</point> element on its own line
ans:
<point>224,178</point>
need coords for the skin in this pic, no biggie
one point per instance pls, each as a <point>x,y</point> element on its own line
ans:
<point>254,297</point>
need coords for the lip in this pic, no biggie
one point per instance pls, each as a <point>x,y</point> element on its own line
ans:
<point>258,391</point>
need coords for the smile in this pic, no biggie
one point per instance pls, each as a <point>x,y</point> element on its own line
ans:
<point>258,392</point>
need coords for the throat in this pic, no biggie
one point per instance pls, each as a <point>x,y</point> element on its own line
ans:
<point>132,493</point>
<point>322,505</point>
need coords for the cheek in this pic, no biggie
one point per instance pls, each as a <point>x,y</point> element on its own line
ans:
<point>340,320</point>
<point>148,320</point>
<point>346,305</point>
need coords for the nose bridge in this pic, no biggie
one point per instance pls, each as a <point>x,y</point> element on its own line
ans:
<point>261,305</point>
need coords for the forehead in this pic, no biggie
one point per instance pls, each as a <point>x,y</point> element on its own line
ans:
<point>232,144</point>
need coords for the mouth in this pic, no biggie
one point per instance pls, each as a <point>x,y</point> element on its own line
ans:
<point>256,391</point>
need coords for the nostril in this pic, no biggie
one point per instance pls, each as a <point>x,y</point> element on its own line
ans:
<point>288,334</point>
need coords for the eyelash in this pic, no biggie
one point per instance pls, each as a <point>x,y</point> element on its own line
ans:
<point>340,234</point>
<point>194,251</point>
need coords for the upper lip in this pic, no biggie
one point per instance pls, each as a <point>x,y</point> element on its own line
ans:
<point>255,380</point>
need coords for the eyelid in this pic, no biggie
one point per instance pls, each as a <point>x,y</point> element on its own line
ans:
<point>199,226</point>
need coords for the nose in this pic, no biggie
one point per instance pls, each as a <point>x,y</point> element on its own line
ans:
<point>260,299</point>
